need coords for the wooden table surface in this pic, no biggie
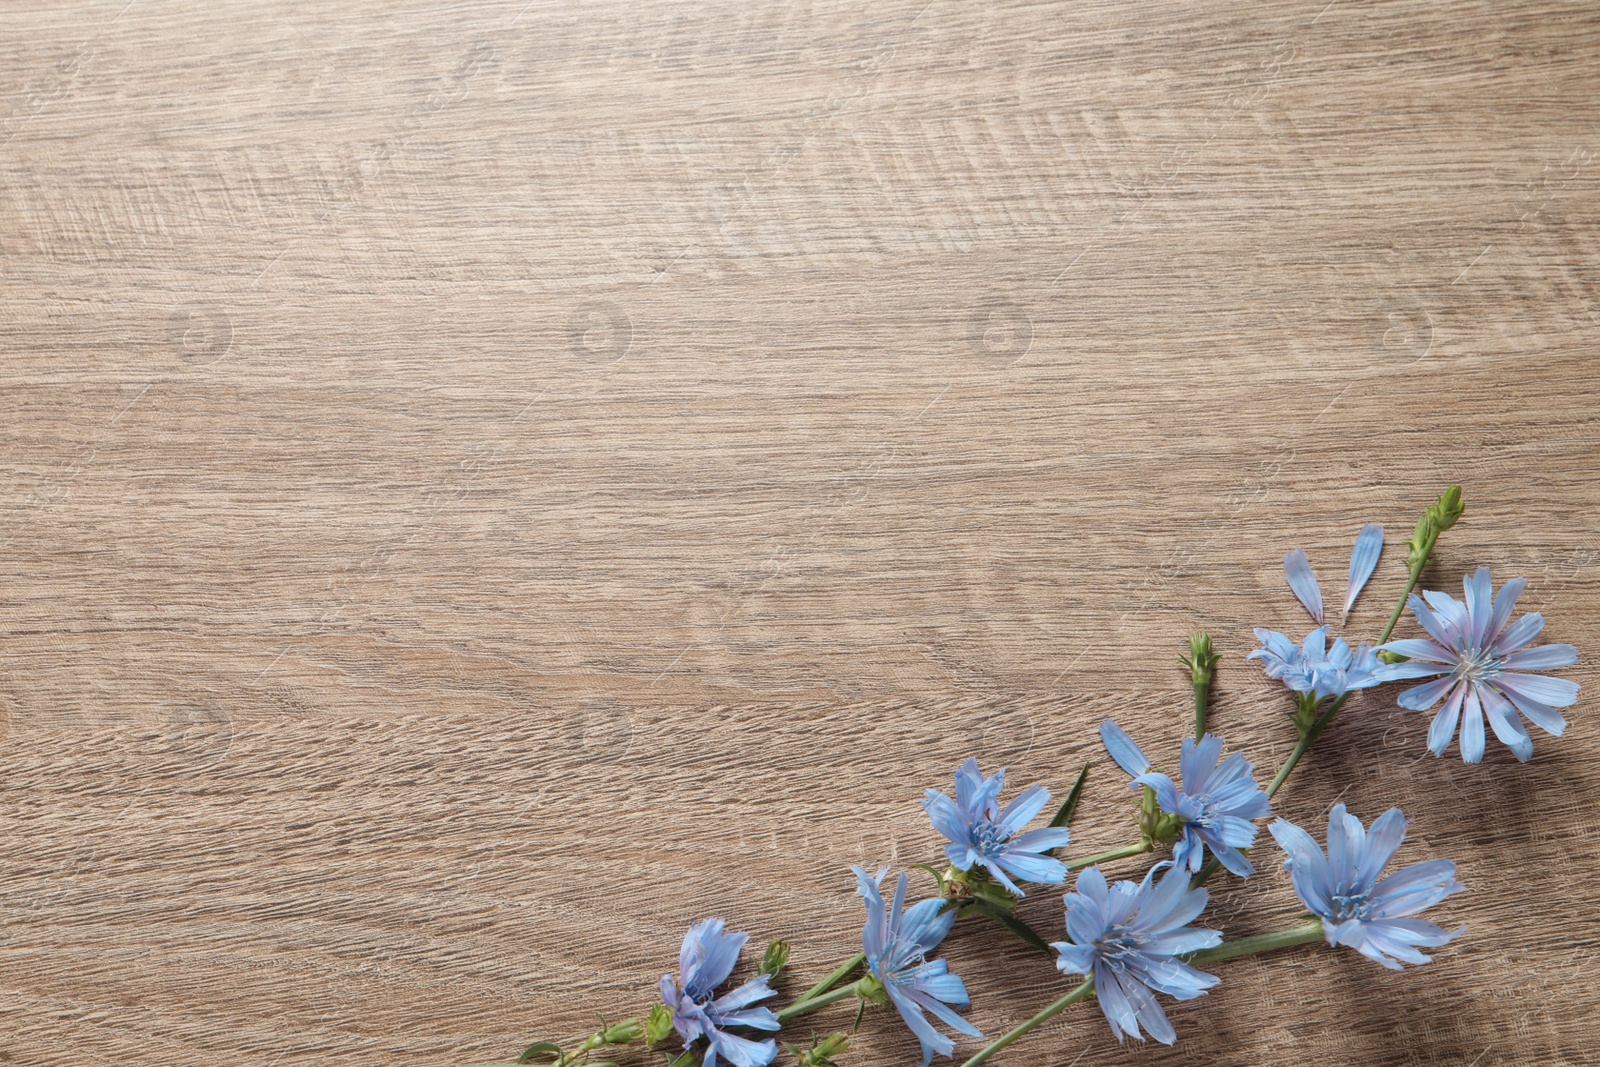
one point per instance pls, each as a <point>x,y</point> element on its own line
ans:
<point>487,484</point>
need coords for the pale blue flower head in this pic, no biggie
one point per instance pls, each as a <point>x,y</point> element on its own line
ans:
<point>706,960</point>
<point>981,833</point>
<point>1342,888</point>
<point>896,941</point>
<point>1128,936</point>
<point>1316,669</point>
<point>1216,803</point>
<point>1485,664</point>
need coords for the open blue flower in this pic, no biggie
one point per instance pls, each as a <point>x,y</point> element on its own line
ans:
<point>1484,662</point>
<point>1363,560</point>
<point>1313,668</point>
<point>1129,937</point>
<point>705,961</point>
<point>1216,804</point>
<point>980,833</point>
<point>1342,887</point>
<point>897,941</point>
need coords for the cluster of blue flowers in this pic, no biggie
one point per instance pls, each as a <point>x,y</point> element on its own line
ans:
<point>1133,940</point>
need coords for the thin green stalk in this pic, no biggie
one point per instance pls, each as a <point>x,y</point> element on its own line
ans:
<point>1249,946</point>
<point>1245,946</point>
<point>839,974</point>
<point>1115,854</point>
<point>1084,989</point>
<point>1201,693</point>
<point>810,1004</point>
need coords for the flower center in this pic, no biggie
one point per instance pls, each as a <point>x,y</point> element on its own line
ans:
<point>900,959</point>
<point>989,839</point>
<point>1351,905</point>
<point>1117,944</point>
<point>1478,665</point>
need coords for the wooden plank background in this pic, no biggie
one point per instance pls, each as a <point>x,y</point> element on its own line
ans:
<point>486,484</point>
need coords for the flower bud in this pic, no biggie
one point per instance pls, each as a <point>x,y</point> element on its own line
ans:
<point>1201,661</point>
<point>868,988</point>
<point>659,1027</point>
<point>622,1033</point>
<point>776,957</point>
<point>821,1053</point>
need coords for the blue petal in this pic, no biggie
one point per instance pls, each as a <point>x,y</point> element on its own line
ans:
<point>1443,727</point>
<point>1543,658</point>
<point>1128,755</point>
<point>1149,1012</point>
<point>1425,696</point>
<point>1114,1003</point>
<point>927,923</point>
<point>1503,605</point>
<point>1472,727</point>
<point>1021,811</point>
<point>946,817</point>
<point>875,935</point>
<point>740,1051</point>
<point>1030,867</point>
<point>1479,592</point>
<point>1073,959</point>
<point>1557,692</point>
<point>1041,839</point>
<point>1518,634</point>
<point>1197,761</point>
<point>751,992</point>
<point>1297,569</point>
<point>1539,713</point>
<point>932,1041</point>
<point>1423,649</point>
<point>1415,888</point>
<point>1387,834</point>
<point>708,956</point>
<point>1506,723</point>
<point>1363,560</point>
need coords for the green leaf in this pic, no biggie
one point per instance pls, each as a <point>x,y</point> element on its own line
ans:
<point>1070,805</point>
<point>1015,925</point>
<point>540,1051</point>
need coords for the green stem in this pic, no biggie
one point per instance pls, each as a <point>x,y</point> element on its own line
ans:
<point>1202,691</point>
<point>1084,989</point>
<point>1245,946</point>
<point>1115,854</point>
<point>838,975</point>
<point>1249,946</point>
<point>810,1004</point>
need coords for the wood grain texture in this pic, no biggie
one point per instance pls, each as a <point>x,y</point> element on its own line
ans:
<point>485,485</point>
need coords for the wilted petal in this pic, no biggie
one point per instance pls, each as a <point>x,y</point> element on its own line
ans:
<point>1363,560</point>
<point>1297,569</point>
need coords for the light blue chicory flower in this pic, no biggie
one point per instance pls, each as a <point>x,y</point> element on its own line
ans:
<point>1484,662</point>
<point>1129,937</point>
<point>1363,560</point>
<point>707,958</point>
<point>1342,887</point>
<point>1216,803</point>
<point>896,941</point>
<point>1314,669</point>
<point>980,833</point>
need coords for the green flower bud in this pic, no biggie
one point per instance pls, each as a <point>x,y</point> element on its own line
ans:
<point>622,1033</point>
<point>1305,712</point>
<point>821,1053</point>
<point>1448,511</point>
<point>659,1027</point>
<point>776,957</point>
<point>1392,658</point>
<point>868,988</point>
<point>1201,661</point>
